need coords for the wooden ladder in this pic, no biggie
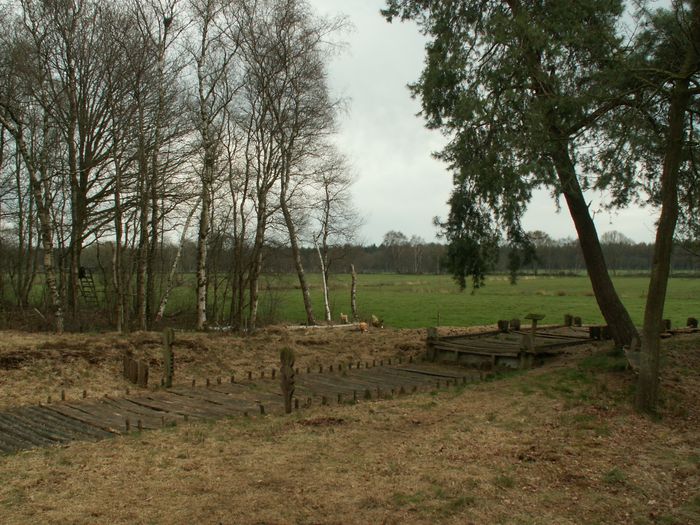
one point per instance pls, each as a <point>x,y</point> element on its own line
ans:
<point>87,287</point>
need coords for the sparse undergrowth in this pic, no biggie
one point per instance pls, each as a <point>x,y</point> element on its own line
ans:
<point>559,444</point>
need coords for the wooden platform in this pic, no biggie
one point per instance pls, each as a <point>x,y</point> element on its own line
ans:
<point>83,420</point>
<point>513,349</point>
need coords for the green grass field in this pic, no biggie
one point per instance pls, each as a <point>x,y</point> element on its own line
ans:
<point>416,301</point>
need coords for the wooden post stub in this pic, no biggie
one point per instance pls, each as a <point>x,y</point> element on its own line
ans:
<point>340,398</point>
<point>287,377</point>
<point>250,375</point>
<point>568,319</point>
<point>296,403</point>
<point>262,374</point>
<point>324,400</point>
<point>168,357</point>
<point>578,321</point>
<point>368,394</point>
<point>503,325</point>
<point>232,379</point>
<point>692,322</point>
<point>207,382</point>
<point>139,425</point>
<point>665,325</point>
<point>193,383</point>
<point>63,395</point>
<point>515,324</point>
<point>354,396</point>
<point>84,394</point>
<point>410,359</point>
<point>262,410</point>
<point>274,372</point>
<point>218,380</point>
<point>127,424</point>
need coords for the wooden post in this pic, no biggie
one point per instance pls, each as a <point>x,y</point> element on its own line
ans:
<point>503,325</point>
<point>578,321</point>
<point>168,357</point>
<point>287,378</point>
<point>515,324</point>
<point>692,322</point>
<point>430,343</point>
<point>142,374</point>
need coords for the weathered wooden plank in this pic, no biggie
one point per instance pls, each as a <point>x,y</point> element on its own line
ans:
<point>430,370</point>
<point>227,402</point>
<point>42,427</point>
<point>109,424</point>
<point>69,425</point>
<point>19,430</point>
<point>181,405</point>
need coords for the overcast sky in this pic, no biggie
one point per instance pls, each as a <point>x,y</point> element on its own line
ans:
<point>399,186</point>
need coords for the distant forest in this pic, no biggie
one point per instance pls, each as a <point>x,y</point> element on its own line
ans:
<point>400,254</point>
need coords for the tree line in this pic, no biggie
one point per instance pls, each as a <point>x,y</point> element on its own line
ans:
<point>129,125</point>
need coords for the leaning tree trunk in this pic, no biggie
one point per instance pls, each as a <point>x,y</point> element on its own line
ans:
<point>170,283</point>
<point>618,319</point>
<point>296,255</point>
<point>648,384</point>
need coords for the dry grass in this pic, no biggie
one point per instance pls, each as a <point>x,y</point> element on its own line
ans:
<point>556,445</point>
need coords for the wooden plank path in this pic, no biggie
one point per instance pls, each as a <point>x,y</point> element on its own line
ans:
<point>513,349</point>
<point>91,420</point>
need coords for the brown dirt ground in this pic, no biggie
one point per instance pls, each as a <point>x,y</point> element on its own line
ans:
<point>559,444</point>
